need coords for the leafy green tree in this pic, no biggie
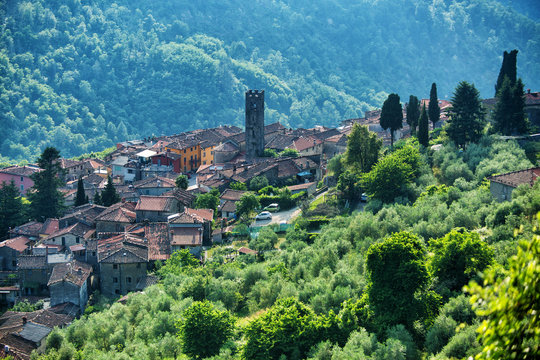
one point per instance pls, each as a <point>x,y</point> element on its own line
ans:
<point>434,111</point>
<point>392,115</point>
<point>467,116</point>
<point>458,257</point>
<point>335,165</point>
<point>413,113</point>
<point>81,197</point>
<point>265,240</point>
<point>236,185</point>
<point>109,195</point>
<point>350,185</point>
<point>289,153</point>
<point>508,70</point>
<point>270,153</point>
<point>207,201</point>
<point>423,128</point>
<point>258,182</point>
<point>12,210</point>
<point>397,272</point>
<point>180,261</point>
<point>204,329</point>
<point>288,329</point>
<point>46,200</point>
<point>363,148</point>
<point>509,114</point>
<point>246,205</point>
<point>182,182</point>
<point>391,175</point>
<point>510,306</point>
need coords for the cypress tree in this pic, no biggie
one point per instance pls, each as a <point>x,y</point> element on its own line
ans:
<point>423,128</point>
<point>12,211</point>
<point>81,197</point>
<point>97,198</point>
<point>434,111</point>
<point>467,116</point>
<point>392,115</point>
<point>508,69</point>
<point>46,200</point>
<point>109,195</point>
<point>413,113</point>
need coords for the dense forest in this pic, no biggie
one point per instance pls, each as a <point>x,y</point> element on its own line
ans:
<point>82,74</point>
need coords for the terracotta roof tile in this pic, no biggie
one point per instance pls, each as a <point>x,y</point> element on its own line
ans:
<point>204,214</point>
<point>516,178</point>
<point>232,195</point>
<point>20,170</point>
<point>159,245</point>
<point>119,212</point>
<point>20,243</point>
<point>49,226</point>
<point>187,236</point>
<point>30,229</point>
<point>154,203</point>
<point>30,262</point>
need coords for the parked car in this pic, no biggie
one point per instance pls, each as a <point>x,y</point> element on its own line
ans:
<point>265,215</point>
<point>363,197</point>
<point>272,207</point>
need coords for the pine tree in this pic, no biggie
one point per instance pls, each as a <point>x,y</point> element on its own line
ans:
<point>392,115</point>
<point>46,200</point>
<point>97,198</point>
<point>413,113</point>
<point>509,114</point>
<point>12,210</point>
<point>109,195</point>
<point>423,128</point>
<point>467,117</point>
<point>434,111</point>
<point>81,197</point>
<point>508,69</point>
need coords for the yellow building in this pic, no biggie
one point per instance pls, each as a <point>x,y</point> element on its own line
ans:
<point>207,153</point>
<point>190,152</point>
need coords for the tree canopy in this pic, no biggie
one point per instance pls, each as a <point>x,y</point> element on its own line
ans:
<point>434,111</point>
<point>413,113</point>
<point>392,115</point>
<point>467,116</point>
<point>363,148</point>
<point>423,128</point>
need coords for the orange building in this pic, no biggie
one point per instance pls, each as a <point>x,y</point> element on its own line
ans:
<point>207,153</point>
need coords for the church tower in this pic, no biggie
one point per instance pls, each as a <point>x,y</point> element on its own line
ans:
<point>254,124</point>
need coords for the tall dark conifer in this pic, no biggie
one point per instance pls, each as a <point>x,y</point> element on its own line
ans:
<point>467,116</point>
<point>109,195</point>
<point>413,113</point>
<point>12,211</point>
<point>392,115</point>
<point>423,127</point>
<point>46,200</point>
<point>508,69</point>
<point>81,197</point>
<point>434,111</point>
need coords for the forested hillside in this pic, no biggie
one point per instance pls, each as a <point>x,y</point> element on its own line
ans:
<point>81,75</point>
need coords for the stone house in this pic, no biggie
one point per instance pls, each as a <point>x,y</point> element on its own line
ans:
<point>154,186</point>
<point>69,283</point>
<point>10,250</point>
<point>20,175</point>
<point>71,235</point>
<point>309,188</point>
<point>33,274</point>
<point>115,218</point>
<point>501,186</point>
<point>155,208</point>
<point>123,263</point>
<point>191,230</point>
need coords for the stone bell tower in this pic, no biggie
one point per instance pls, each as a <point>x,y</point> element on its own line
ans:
<point>254,124</point>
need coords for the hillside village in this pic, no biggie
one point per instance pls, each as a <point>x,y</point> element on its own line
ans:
<point>112,249</point>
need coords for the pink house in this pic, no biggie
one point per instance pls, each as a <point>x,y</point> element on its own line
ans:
<point>20,175</point>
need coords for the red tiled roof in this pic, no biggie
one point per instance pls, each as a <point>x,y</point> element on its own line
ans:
<point>77,229</point>
<point>204,214</point>
<point>31,262</point>
<point>301,186</point>
<point>20,243</point>
<point>516,178</point>
<point>228,206</point>
<point>31,228</point>
<point>153,182</point>
<point>154,203</point>
<point>123,248</point>
<point>186,236</point>
<point>159,245</point>
<point>119,212</point>
<point>247,251</point>
<point>20,170</point>
<point>532,99</point>
<point>50,226</point>
<point>304,143</point>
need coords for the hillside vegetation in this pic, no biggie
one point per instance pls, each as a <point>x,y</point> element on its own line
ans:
<point>81,75</point>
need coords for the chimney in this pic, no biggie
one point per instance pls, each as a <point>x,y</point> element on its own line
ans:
<point>528,91</point>
<point>24,320</point>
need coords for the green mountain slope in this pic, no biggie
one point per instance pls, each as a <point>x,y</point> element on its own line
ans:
<point>81,75</point>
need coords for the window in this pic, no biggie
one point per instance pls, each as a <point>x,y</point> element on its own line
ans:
<point>204,154</point>
<point>185,161</point>
<point>128,280</point>
<point>93,253</point>
<point>115,266</point>
<point>63,241</point>
<point>77,240</point>
<point>191,158</point>
<point>22,179</point>
<point>22,187</point>
<point>115,279</point>
<point>184,151</point>
<point>204,162</point>
<point>14,263</point>
<point>117,292</point>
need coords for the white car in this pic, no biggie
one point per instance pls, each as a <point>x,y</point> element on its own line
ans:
<point>265,215</point>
